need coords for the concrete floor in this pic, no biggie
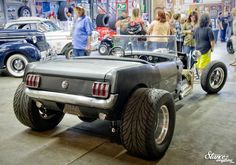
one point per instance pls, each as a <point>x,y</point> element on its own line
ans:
<point>204,123</point>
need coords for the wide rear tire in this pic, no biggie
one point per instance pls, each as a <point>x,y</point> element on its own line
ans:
<point>147,123</point>
<point>30,115</point>
<point>214,77</point>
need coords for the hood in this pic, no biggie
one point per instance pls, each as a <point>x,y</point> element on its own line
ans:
<point>88,68</point>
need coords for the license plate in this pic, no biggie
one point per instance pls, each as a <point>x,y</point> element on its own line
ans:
<point>72,109</point>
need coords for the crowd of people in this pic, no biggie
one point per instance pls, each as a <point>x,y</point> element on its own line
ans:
<point>194,32</point>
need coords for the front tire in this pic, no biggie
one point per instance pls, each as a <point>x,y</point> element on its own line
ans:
<point>26,111</point>
<point>147,123</point>
<point>69,52</point>
<point>230,47</point>
<point>103,49</point>
<point>214,77</point>
<point>16,64</point>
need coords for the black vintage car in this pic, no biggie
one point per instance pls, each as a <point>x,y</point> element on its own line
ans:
<point>19,47</point>
<point>136,87</point>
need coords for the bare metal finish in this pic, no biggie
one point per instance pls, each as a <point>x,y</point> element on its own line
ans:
<point>162,124</point>
<point>73,99</point>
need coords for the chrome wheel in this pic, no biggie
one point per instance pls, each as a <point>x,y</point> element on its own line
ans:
<point>217,78</point>
<point>16,65</point>
<point>162,124</point>
<point>26,13</point>
<point>46,114</point>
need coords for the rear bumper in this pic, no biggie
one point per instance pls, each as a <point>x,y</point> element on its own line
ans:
<point>73,99</point>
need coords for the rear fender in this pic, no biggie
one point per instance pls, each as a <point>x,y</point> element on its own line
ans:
<point>28,50</point>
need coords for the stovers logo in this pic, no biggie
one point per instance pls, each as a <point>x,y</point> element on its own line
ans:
<point>65,84</point>
<point>220,158</point>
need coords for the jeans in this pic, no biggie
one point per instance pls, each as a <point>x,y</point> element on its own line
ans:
<point>228,32</point>
<point>157,45</point>
<point>189,50</point>
<point>79,52</point>
<point>138,45</point>
<point>179,46</point>
<point>216,32</point>
<point>223,35</point>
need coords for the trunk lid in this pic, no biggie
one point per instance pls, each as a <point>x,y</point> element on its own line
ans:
<point>89,68</point>
<point>79,73</point>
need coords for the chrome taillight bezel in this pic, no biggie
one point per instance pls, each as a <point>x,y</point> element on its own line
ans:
<point>101,89</point>
<point>32,81</point>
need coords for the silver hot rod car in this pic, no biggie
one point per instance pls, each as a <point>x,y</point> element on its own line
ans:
<point>136,85</point>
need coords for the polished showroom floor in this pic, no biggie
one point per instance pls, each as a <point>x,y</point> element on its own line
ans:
<point>205,124</point>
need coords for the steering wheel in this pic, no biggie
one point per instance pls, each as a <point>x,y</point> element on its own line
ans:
<point>117,51</point>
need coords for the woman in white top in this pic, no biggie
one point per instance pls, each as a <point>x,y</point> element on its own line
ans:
<point>159,27</point>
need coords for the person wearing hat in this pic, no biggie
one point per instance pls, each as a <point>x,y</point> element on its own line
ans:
<point>82,33</point>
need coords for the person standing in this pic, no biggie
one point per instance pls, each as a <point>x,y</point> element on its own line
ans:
<point>82,33</point>
<point>223,26</point>
<point>205,42</point>
<point>122,23</point>
<point>188,29</point>
<point>216,29</point>
<point>234,34</point>
<point>178,32</point>
<point>230,26</point>
<point>159,27</point>
<point>137,21</point>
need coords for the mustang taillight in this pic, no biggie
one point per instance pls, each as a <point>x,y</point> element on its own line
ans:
<point>32,81</point>
<point>101,89</point>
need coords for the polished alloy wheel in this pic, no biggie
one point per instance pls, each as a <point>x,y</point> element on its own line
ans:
<point>217,78</point>
<point>45,114</point>
<point>162,124</point>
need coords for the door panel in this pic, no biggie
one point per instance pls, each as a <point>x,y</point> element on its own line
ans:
<point>168,75</point>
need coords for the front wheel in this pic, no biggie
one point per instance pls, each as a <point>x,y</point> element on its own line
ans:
<point>16,64</point>
<point>69,52</point>
<point>29,114</point>
<point>147,123</point>
<point>214,77</point>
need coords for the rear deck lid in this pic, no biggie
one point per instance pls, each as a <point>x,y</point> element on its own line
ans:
<point>89,68</point>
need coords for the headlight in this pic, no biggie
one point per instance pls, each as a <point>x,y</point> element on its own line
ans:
<point>34,38</point>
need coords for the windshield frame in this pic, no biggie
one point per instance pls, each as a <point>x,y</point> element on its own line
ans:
<point>169,48</point>
<point>47,24</point>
